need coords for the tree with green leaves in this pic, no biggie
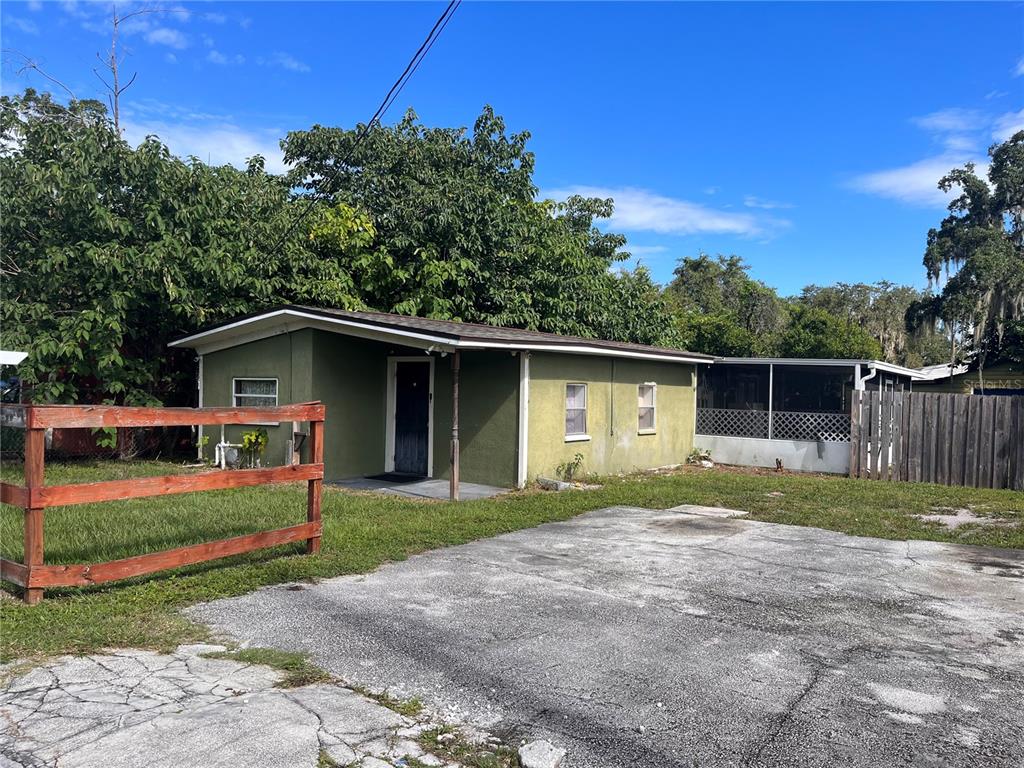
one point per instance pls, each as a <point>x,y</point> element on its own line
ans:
<point>976,255</point>
<point>881,309</point>
<point>459,233</point>
<point>815,332</point>
<point>721,310</point>
<point>111,251</point>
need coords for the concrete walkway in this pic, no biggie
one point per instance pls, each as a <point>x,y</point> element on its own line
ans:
<point>668,638</point>
<point>422,489</point>
<point>140,709</point>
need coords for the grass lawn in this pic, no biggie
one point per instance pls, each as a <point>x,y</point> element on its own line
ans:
<point>361,531</point>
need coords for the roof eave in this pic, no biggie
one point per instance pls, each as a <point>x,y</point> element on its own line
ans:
<point>286,319</point>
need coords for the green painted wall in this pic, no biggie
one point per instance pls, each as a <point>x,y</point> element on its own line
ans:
<point>285,357</point>
<point>488,415</point>
<point>349,376</point>
<point>614,445</point>
<point>1001,376</point>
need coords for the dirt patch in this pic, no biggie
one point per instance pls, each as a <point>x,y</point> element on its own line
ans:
<point>952,518</point>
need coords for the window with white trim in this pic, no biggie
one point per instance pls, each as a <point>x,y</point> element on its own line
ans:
<point>646,401</point>
<point>575,409</point>
<point>254,393</point>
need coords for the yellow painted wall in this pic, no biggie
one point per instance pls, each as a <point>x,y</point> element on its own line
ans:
<point>614,445</point>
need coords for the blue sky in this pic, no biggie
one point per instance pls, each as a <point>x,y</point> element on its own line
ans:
<point>805,137</point>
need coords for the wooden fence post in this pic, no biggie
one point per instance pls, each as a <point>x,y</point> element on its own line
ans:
<point>35,452</point>
<point>314,494</point>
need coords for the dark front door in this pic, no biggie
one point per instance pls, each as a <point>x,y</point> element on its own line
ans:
<point>412,409</point>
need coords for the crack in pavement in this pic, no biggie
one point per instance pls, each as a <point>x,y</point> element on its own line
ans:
<point>124,707</point>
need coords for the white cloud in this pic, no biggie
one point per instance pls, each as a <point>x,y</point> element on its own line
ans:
<point>35,5</point>
<point>287,61</point>
<point>750,201</point>
<point>953,120</point>
<point>1018,70</point>
<point>1007,125</point>
<point>216,57</point>
<point>215,18</point>
<point>916,183</point>
<point>640,210</point>
<point>218,143</point>
<point>170,58</point>
<point>962,134</point>
<point>644,250</point>
<point>172,38</point>
<point>27,26</point>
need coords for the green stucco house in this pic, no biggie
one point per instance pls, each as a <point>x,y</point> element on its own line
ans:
<point>525,401</point>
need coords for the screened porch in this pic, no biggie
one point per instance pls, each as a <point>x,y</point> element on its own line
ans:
<point>775,402</point>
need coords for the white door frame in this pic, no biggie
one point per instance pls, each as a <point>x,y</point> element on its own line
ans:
<point>389,431</point>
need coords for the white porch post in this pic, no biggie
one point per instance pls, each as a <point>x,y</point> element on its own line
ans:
<point>453,469</point>
<point>771,396</point>
<point>199,428</point>
<point>524,418</point>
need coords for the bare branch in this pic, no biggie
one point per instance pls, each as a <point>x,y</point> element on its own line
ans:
<point>127,85</point>
<point>142,11</point>
<point>105,83</point>
<point>30,64</point>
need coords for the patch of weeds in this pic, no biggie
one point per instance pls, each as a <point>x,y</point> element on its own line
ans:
<point>411,708</point>
<point>324,760</point>
<point>298,669</point>
<point>449,744</point>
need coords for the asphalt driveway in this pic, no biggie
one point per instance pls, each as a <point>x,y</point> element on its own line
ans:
<point>658,638</point>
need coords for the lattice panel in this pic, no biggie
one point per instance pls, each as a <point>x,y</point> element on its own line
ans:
<point>826,427</point>
<point>733,422</point>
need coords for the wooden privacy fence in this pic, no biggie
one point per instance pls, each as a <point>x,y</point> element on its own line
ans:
<point>950,439</point>
<point>35,496</point>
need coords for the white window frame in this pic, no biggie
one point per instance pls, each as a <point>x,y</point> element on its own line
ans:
<point>277,395</point>
<point>576,437</point>
<point>653,406</point>
<point>235,395</point>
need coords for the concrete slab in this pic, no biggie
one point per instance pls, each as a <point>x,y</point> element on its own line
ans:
<point>139,709</point>
<point>422,489</point>
<point>656,638</point>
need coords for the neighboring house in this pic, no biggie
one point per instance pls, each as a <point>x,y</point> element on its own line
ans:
<point>757,411</point>
<point>999,379</point>
<point>527,401</point>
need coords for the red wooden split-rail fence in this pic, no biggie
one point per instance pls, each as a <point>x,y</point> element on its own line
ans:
<point>34,575</point>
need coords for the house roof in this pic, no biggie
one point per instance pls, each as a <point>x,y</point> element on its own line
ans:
<point>424,333</point>
<point>10,357</point>
<point>941,371</point>
<point>880,365</point>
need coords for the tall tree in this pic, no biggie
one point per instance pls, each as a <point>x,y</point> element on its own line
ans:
<point>459,233</point>
<point>881,309</point>
<point>722,310</point>
<point>110,251</point>
<point>976,254</point>
<point>814,332</point>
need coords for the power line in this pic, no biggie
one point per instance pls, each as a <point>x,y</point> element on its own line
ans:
<point>389,99</point>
